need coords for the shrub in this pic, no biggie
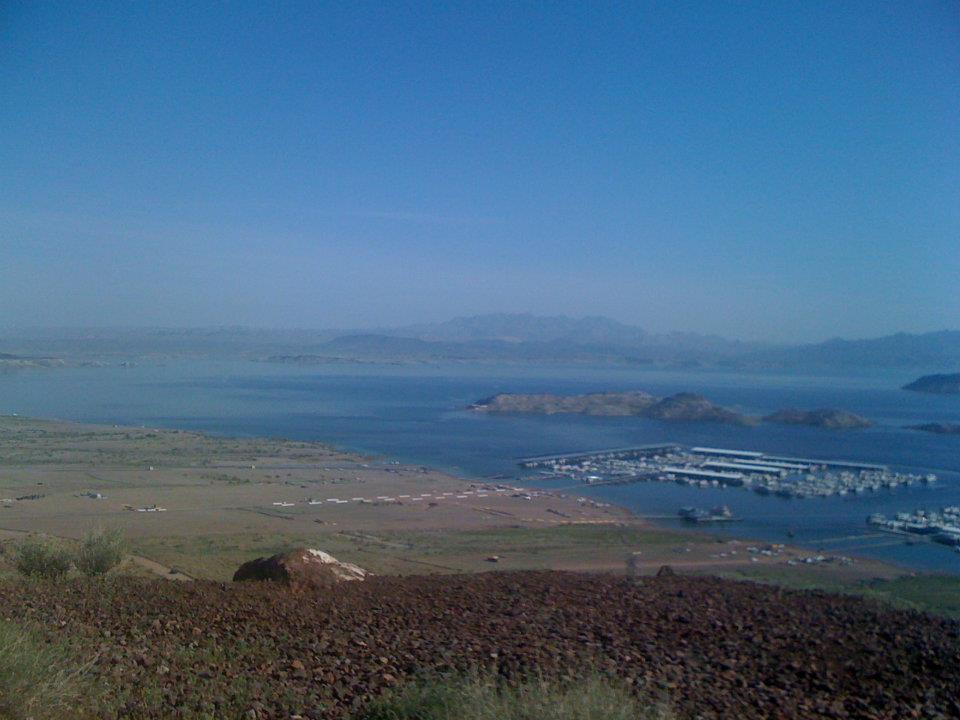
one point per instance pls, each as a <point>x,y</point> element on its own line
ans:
<point>487,698</point>
<point>38,680</point>
<point>100,552</point>
<point>42,557</point>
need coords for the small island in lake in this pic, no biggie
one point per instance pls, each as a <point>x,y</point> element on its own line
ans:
<point>937,384</point>
<point>684,406</point>
<point>679,407</point>
<point>938,428</point>
<point>9,361</point>
<point>823,418</point>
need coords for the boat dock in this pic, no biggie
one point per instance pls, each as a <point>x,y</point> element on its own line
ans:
<point>626,453</point>
<point>839,464</point>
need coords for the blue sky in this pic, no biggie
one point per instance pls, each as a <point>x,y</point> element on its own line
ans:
<point>773,170</point>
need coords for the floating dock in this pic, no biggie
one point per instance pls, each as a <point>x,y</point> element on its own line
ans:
<point>753,455</point>
<point>727,478</point>
<point>842,464</point>
<point>610,454</point>
<point>745,467</point>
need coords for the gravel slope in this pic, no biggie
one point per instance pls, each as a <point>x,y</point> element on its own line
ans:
<point>719,649</point>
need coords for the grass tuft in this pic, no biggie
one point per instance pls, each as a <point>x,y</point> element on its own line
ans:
<point>480,697</point>
<point>43,557</point>
<point>38,680</point>
<point>100,551</point>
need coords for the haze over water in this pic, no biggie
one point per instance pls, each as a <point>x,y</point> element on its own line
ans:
<point>416,414</point>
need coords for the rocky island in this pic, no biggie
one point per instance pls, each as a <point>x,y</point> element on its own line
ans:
<point>8,361</point>
<point>679,407</point>
<point>938,428</point>
<point>823,418</point>
<point>936,384</point>
<point>684,406</point>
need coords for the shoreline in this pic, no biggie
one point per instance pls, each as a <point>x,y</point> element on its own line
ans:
<point>231,497</point>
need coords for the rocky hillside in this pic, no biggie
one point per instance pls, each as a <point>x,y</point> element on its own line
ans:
<point>715,648</point>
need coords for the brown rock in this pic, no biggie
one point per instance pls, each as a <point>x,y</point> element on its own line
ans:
<point>664,571</point>
<point>300,569</point>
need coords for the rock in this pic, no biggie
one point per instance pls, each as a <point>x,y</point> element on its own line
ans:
<point>665,571</point>
<point>301,569</point>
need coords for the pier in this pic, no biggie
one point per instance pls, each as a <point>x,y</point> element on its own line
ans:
<point>840,464</point>
<point>625,453</point>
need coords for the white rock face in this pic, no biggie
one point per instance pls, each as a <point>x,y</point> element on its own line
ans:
<point>342,570</point>
<point>302,568</point>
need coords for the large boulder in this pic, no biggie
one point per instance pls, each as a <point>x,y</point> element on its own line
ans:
<point>301,569</point>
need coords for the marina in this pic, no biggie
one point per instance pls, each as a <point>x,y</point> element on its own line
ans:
<point>708,467</point>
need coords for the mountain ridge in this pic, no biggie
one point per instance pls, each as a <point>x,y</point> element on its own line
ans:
<point>518,337</point>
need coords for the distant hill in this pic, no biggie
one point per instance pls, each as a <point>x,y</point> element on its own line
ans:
<point>936,384</point>
<point>382,345</point>
<point>927,350</point>
<point>593,331</point>
<point>497,337</point>
<point>525,327</point>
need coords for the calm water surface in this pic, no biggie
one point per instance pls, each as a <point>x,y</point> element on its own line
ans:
<point>416,414</point>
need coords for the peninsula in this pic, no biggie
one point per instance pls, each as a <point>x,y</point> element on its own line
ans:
<point>936,384</point>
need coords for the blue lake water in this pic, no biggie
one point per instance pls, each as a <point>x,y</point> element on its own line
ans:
<point>417,414</point>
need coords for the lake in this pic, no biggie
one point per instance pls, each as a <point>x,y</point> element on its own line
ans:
<point>416,414</point>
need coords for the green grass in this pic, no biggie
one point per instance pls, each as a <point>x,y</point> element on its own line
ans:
<point>486,698</point>
<point>938,594</point>
<point>38,680</point>
<point>541,540</point>
<point>391,552</point>
<point>932,593</point>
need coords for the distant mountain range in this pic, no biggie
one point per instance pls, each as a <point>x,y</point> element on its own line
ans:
<point>559,329</point>
<point>928,350</point>
<point>525,327</point>
<point>531,337</point>
<point>497,337</point>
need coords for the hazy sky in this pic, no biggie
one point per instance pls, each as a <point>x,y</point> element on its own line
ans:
<point>762,170</point>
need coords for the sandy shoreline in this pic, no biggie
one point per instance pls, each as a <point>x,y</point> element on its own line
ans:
<point>203,504</point>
